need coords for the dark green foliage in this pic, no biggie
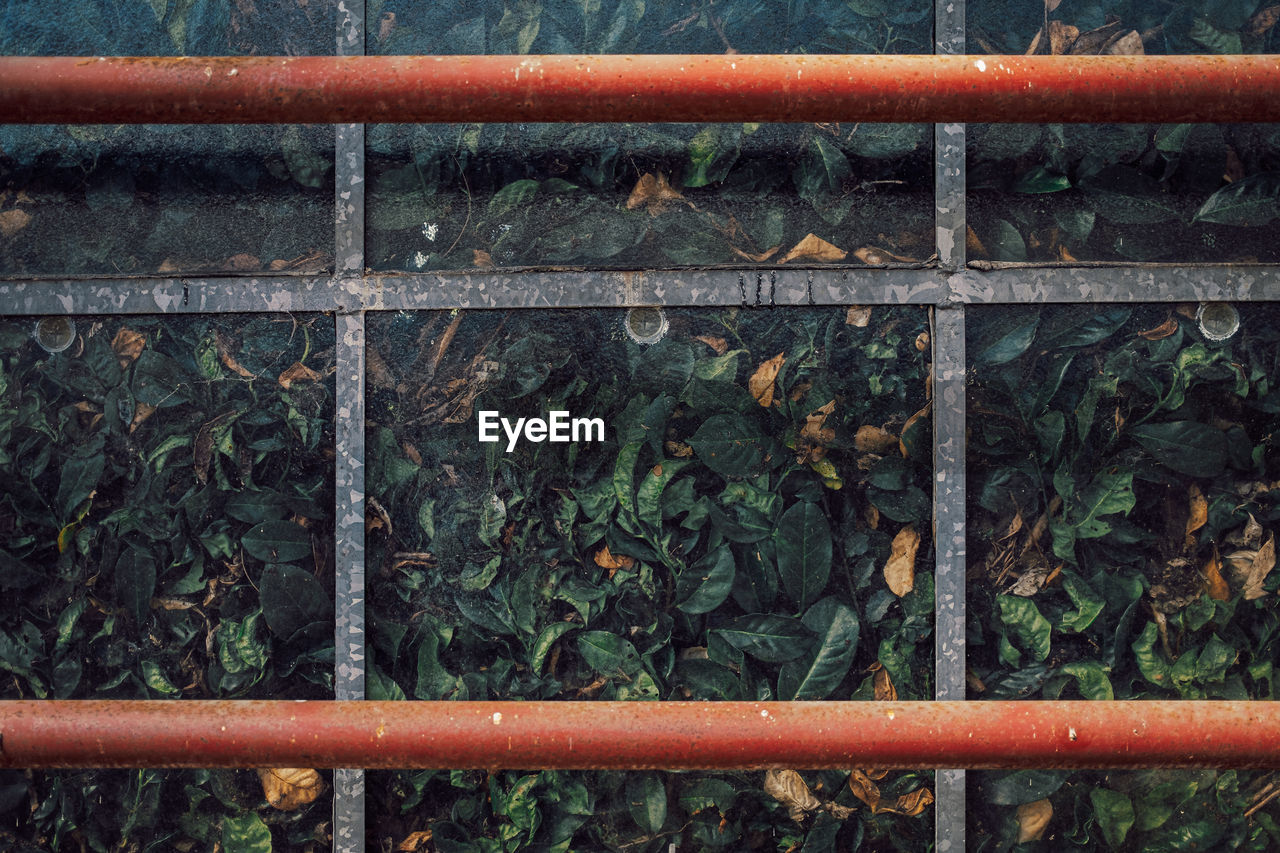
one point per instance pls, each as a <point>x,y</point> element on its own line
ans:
<point>165,527</point>
<point>700,551</point>
<point>1120,450</point>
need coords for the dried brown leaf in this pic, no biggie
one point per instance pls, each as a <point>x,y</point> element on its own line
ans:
<point>128,345</point>
<point>883,685</point>
<point>1263,21</point>
<point>415,841</point>
<point>1033,818</point>
<point>1216,583</point>
<point>789,788</point>
<point>858,316</point>
<point>13,221</point>
<point>720,345</point>
<point>606,560</point>
<point>653,193</point>
<point>1164,330</point>
<point>814,248</point>
<point>900,570</point>
<point>288,788</point>
<point>761,382</point>
<point>874,439</point>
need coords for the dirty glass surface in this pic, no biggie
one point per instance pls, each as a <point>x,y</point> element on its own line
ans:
<point>664,195</point>
<point>1123,478</point>
<point>165,532</point>
<point>750,519</point>
<point>1124,192</point>
<point>131,199</point>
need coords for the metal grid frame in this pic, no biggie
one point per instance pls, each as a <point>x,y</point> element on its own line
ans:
<point>350,291</point>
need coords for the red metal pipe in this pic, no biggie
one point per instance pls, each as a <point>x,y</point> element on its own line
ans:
<point>620,735</point>
<point>719,88</point>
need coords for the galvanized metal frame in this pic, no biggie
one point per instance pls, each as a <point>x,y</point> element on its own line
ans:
<point>350,291</point>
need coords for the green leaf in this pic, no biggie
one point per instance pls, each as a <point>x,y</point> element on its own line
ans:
<point>1022,786</point>
<point>1092,679</point>
<point>294,603</point>
<point>155,678</point>
<point>704,586</point>
<point>1040,180</point>
<point>1114,812</point>
<point>608,654</point>
<point>1249,202</point>
<point>729,444</point>
<point>245,834</point>
<point>546,639</point>
<point>802,542</point>
<point>1127,196</point>
<point>1023,620</point>
<point>80,477</point>
<point>135,583</point>
<point>1188,447</point>
<point>277,542</point>
<point>1005,336</point>
<point>773,639</point>
<point>838,626</point>
<point>647,801</point>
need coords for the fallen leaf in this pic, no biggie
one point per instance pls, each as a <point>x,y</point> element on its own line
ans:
<point>789,788</point>
<point>900,570</point>
<point>720,345</point>
<point>13,221</point>
<point>756,257</point>
<point>1263,21</point>
<point>1198,513</point>
<point>1164,330</point>
<point>761,382</point>
<point>128,345</point>
<point>414,841</point>
<point>883,684</point>
<point>299,372</point>
<point>1217,584</point>
<point>606,560</point>
<point>290,787</point>
<point>814,248</point>
<point>875,256</point>
<point>653,193</point>
<point>858,316</point>
<point>874,439</point>
<point>482,259</point>
<point>1033,818</point>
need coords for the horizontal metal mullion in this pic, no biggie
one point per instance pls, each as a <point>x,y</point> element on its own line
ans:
<point>639,735</point>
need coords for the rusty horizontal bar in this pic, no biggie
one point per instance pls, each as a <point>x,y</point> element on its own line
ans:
<point>704,88</point>
<point>623,735</point>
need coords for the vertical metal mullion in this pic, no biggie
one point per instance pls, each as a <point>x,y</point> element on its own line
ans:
<point>349,586</point>
<point>949,434</point>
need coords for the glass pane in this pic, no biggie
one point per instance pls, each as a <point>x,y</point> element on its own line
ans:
<point>168,484</point>
<point>681,481</point>
<point>113,199</point>
<point>645,811</point>
<point>1122,520</point>
<point>1140,192</point>
<point>480,196</point>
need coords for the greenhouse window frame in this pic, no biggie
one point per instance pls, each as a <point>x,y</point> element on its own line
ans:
<point>947,287</point>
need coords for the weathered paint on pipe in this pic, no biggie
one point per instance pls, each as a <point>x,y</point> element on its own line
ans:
<point>620,735</point>
<point>710,88</point>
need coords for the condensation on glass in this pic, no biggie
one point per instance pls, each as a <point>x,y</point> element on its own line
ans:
<point>145,200</point>
<point>1123,192</point>
<point>632,196</point>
